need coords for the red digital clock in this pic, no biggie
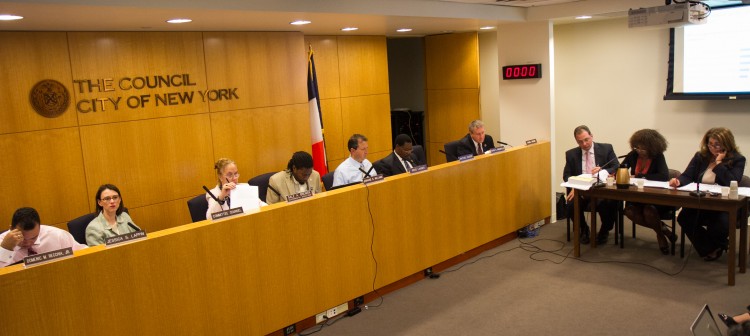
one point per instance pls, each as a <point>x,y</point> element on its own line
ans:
<point>522,71</point>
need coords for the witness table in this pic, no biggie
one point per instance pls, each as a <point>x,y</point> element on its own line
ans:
<point>672,197</point>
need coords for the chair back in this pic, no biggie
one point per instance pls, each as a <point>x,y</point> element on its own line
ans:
<point>77,227</point>
<point>328,181</point>
<point>451,151</point>
<point>198,207</point>
<point>261,181</point>
<point>745,182</point>
<point>418,151</point>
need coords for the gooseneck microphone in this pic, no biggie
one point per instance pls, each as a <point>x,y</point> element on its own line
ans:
<point>213,196</point>
<point>504,143</point>
<point>697,192</point>
<point>599,182</point>
<point>133,226</point>
<point>367,173</point>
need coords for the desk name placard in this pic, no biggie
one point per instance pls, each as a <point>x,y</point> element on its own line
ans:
<point>125,238</point>
<point>46,257</point>
<point>418,169</point>
<point>466,157</point>
<point>299,196</point>
<point>372,179</point>
<point>226,213</point>
<point>496,150</point>
<point>530,142</point>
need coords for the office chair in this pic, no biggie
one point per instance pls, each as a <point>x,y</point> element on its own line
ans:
<point>328,181</point>
<point>77,227</point>
<point>261,181</point>
<point>451,151</point>
<point>198,207</point>
<point>419,153</point>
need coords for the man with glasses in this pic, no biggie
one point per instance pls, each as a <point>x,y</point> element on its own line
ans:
<point>354,168</point>
<point>587,158</point>
<point>27,237</point>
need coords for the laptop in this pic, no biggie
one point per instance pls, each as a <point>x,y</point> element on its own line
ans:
<point>705,324</point>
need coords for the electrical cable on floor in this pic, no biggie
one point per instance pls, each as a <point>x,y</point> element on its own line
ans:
<point>372,251</point>
<point>327,323</point>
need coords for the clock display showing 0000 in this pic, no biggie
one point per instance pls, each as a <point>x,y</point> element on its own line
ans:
<point>523,71</point>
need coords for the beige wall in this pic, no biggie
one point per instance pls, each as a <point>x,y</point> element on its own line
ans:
<point>613,79</point>
<point>160,154</point>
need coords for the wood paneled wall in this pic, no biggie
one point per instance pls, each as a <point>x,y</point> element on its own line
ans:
<point>452,84</point>
<point>354,93</point>
<point>240,95</point>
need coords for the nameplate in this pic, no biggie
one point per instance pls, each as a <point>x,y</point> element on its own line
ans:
<point>466,157</point>
<point>417,169</point>
<point>43,258</point>
<point>299,196</point>
<point>372,179</point>
<point>125,238</point>
<point>226,213</point>
<point>496,150</point>
<point>530,142</point>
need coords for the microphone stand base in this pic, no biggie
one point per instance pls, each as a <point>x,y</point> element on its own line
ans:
<point>698,193</point>
<point>599,184</point>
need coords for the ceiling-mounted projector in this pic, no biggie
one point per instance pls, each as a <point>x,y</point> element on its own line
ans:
<point>669,16</point>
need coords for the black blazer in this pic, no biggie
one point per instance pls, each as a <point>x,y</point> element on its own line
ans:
<point>729,170</point>
<point>391,165</point>
<point>603,153</point>
<point>466,145</point>
<point>657,171</point>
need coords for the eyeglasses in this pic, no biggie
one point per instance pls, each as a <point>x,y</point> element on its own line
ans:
<point>639,149</point>
<point>111,198</point>
<point>229,176</point>
<point>715,146</point>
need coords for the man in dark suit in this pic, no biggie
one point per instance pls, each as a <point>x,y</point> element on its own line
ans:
<point>400,160</point>
<point>476,142</point>
<point>587,158</point>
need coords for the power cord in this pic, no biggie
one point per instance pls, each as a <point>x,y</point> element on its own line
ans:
<point>372,251</point>
<point>327,323</point>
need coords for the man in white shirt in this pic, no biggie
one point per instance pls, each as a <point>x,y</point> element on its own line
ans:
<point>27,237</point>
<point>354,168</point>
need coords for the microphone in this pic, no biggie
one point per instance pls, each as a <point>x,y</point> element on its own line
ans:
<point>212,195</point>
<point>274,190</point>
<point>442,151</point>
<point>697,192</point>
<point>133,226</point>
<point>367,173</point>
<point>504,143</point>
<point>599,182</point>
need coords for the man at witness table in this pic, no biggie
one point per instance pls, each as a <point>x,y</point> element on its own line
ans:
<point>351,170</point>
<point>400,160</point>
<point>476,142</point>
<point>298,177</point>
<point>587,158</point>
<point>27,237</point>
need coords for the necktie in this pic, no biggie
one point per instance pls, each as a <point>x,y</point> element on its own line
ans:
<point>479,149</point>
<point>589,163</point>
<point>31,251</point>
<point>407,164</point>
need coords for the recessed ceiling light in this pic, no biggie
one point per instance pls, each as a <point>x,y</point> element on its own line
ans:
<point>349,29</point>
<point>583,17</point>
<point>403,30</point>
<point>9,17</point>
<point>179,20</point>
<point>487,27</point>
<point>300,22</point>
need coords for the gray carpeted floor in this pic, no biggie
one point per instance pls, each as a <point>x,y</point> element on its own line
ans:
<point>631,291</point>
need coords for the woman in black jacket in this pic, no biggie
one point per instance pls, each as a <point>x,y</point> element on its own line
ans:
<point>718,161</point>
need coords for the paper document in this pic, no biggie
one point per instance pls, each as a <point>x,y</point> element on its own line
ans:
<point>743,191</point>
<point>650,184</point>
<point>245,196</point>
<point>714,188</point>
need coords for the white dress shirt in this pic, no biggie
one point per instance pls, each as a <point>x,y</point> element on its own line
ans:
<point>348,171</point>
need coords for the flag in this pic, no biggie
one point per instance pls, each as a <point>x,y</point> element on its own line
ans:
<point>316,121</point>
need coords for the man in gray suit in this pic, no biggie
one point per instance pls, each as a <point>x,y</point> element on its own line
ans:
<point>590,157</point>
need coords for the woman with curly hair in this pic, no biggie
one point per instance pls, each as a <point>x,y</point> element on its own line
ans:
<point>646,160</point>
<point>718,161</point>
